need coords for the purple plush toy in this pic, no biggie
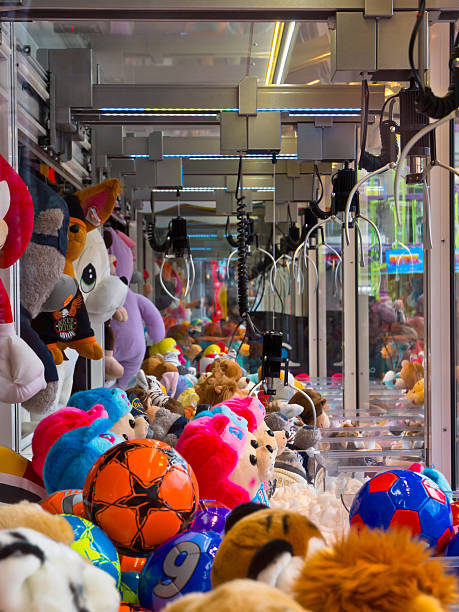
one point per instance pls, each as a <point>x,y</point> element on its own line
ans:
<point>129,335</point>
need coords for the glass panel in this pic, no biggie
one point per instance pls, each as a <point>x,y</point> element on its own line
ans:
<point>456,283</point>
<point>161,52</point>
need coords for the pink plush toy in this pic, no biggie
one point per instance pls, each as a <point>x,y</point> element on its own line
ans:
<point>223,456</point>
<point>55,425</point>
<point>249,408</point>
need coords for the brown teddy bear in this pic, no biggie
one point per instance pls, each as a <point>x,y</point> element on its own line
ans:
<point>234,596</point>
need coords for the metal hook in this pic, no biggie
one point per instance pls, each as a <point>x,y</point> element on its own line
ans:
<point>378,236</point>
<point>362,256</point>
<point>446,167</point>
<point>407,148</point>
<point>354,191</point>
<point>428,216</point>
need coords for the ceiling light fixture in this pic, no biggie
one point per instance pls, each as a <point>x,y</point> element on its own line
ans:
<point>314,82</point>
<point>286,44</point>
<point>275,44</point>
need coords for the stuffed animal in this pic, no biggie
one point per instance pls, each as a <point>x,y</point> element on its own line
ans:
<point>104,293</point>
<point>69,327</point>
<point>165,425</point>
<point>55,425</point>
<point>116,403</point>
<point>32,516</point>
<point>375,572</point>
<point>265,545</point>
<point>222,453</point>
<point>150,392</point>
<point>38,573</point>
<point>18,480</point>
<point>416,394</point>
<point>74,453</point>
<point>320,405</point>
<point>236,595</point>
<point>22,373</point>
<point>164,371</point>
<point>130,343</point>
<point>42,265</point>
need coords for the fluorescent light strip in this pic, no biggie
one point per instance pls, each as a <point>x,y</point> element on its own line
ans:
<point>285,52</point>
<point>203,235</point>
<point>197,157</point>
<point>324,114</point>
<point>308,110</point>
<point>171,110</point>
<point>277,35</point>
<point>159,115</point>
<point>201,249</point>
<point>200,189</point>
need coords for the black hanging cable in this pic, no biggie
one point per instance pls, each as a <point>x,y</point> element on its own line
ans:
<point>414,34</point>
<point>314,205</point>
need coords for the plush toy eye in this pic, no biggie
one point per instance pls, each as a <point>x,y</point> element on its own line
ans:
<point>88,279</point>
<point>270,432</point>
<point>131,423</point>
<point>254,443</point>
<point>253,459</point>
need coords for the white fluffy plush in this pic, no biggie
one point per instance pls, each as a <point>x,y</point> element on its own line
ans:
<point>324,509</point>
<point>38,574</point>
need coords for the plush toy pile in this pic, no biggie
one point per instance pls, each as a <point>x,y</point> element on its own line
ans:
<point>177,486</point>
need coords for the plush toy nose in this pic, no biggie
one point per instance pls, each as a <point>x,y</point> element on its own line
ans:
<point>74,229</point>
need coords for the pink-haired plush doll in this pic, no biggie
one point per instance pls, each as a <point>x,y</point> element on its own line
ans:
<point>222,453</point>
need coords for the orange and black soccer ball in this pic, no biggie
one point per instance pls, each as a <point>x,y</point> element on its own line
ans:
<point>69,501</point>
<point>141,493</point>
<point>128,607</point>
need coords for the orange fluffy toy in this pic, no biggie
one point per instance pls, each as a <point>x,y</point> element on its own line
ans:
<point>375,572</point>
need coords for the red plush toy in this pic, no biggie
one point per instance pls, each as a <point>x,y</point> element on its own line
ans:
<point>21,371</point>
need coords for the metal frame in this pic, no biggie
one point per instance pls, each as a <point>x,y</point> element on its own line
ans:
<point>437,284</point>
<point>198,10</point>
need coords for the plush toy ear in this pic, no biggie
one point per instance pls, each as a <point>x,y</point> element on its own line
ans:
<point>19,215</point>
<point>239,512</point>
<point>98,202</point>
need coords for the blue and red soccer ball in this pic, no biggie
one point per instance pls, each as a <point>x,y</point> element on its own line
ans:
<point>404,499</point>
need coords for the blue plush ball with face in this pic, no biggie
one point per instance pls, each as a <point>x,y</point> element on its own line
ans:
<point>211,516</point>
<point>92,544</point>
<point>180,566</point>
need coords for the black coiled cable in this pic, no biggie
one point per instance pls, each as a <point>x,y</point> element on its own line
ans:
<point>242,254</point>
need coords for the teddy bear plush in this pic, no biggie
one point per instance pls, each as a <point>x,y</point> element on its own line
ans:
<point>246,595</point>
<point>130,346</point>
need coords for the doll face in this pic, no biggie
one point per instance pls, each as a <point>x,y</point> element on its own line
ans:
<point>246,473</point>
<point>125,427</point>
